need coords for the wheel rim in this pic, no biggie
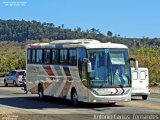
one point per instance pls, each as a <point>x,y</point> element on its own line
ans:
<point>75,98</point>
<point>40,95</point>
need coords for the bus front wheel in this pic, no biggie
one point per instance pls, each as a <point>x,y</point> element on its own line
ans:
<point>74,97</point>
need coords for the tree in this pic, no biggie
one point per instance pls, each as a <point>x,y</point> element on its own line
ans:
<point>109,33</point>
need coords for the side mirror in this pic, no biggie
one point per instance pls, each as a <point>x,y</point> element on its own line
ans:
<point>136,65</point>
<point>135,62</point>
<point>89,66</point>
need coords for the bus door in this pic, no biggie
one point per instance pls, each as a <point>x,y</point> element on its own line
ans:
<point>82,68</point>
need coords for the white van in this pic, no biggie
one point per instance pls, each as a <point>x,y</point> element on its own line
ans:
<point>140,82</point>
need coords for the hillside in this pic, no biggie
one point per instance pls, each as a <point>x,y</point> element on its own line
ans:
<point>21,30</point>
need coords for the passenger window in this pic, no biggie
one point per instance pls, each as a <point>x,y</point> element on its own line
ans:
<point>55,56</point>
<point>143,75</point>
<point>64,56</point>
<point>135,75</point>
<point>10,73</point>
<point>47,56</point>
<point>33,56</point>
<point>39,56</point>
<point>28,55</point>
<point>72,57</point>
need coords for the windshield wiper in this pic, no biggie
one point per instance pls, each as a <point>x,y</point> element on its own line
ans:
<point>103,84</point>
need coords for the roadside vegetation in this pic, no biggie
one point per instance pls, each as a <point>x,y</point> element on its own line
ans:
<point>15,34</point>
<point>12,56</point>
<point>149,56</point>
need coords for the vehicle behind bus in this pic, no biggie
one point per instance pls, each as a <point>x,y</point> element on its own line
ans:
<point>140,83</point>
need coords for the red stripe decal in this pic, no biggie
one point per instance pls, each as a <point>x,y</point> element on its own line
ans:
<point>49,71</point>
<point>45,85</point>
<point>34,89</point>
<point>116,91</point>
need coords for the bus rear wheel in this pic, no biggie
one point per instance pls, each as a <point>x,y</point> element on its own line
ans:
<point>74,97</point>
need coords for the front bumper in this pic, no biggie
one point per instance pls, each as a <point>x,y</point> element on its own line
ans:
<point>93,98</point>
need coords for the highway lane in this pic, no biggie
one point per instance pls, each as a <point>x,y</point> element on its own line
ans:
<point>13,99</point>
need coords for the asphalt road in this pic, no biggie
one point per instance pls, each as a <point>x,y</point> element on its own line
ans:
<point>14,104</point>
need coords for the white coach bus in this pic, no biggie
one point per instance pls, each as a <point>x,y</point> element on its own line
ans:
<point>80,70</point>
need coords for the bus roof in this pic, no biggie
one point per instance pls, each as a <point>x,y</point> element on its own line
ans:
<point>75,41</point>
<point>87,43</point>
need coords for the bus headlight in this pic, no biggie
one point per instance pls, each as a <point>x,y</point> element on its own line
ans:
<point>95,92</point>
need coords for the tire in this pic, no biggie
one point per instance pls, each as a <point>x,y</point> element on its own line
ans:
<point>14,83</point>
<point>112,103</point>
<point>74,97</point>
<point>144,97</point>
<point>40,92</point>
<point>5,83</point>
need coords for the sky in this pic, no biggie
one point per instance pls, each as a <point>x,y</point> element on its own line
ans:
<point>128,18</point>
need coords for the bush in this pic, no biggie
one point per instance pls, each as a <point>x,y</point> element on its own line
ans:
<point>149,56</point>
<point>2,74</point>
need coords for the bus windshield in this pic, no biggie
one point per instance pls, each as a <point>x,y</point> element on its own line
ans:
<point>110,67</point>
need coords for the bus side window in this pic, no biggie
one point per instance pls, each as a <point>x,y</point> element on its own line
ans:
<point>33,56</point>
<point>47,56</point>
<point>39,56</point>
<point>63,56</point>
<point>72,57</point>
<point>55,56</point>
<point>28,55</point>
